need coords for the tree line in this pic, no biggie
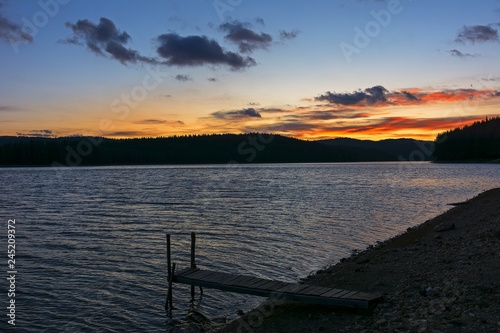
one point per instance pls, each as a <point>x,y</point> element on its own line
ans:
<point>190,149</point>
<point>479,141</point>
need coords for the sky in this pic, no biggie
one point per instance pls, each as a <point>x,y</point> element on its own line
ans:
<point>365,69</point>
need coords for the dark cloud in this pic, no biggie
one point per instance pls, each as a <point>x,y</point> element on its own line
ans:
<point>313,115</point>
<point>409,96</point>
<point>260,20</point>
<point>212,79</point>
<point>287,35</point>
<point>246,39</point>
<point>183,77</point>
<point>37,133</point>
<point>477,34</point>
<point>458,54</point>
<point>236,114</point>
<point>369,96</point>
<point>125,134</point>
<point>12,32</point>
<point>197,51</point>
<point>105,39</point>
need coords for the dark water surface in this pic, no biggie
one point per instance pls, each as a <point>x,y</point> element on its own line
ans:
<point>90,241</point>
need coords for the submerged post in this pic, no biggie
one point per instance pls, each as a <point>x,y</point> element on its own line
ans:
<point>170,306</point>
<point>193,263</point>
<point>169,264</point>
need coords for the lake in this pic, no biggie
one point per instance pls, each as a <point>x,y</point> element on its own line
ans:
<point>90,241</point>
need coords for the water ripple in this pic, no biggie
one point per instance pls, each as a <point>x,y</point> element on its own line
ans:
<point>91,241</point>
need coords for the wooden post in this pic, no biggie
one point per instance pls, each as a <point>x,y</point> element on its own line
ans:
<point>168,305</point>
<point>193,263</point>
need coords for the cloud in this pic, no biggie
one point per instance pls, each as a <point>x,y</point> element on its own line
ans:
<point>237,114</point>
<point>151,121</point>
<point>287,35</point>
<point>183,78</point>
<point>140,134</point>
<point>170,123</point>
<point>37,133</point>
<point>105,39</point>
<point>11,32</point>
<point>367,127</point>
<point>491,79</point>
<point>378,96</point>
<point>246,39</point>
<point>212,79</point>
<point>260,20</point>
<point>409,96</point>
<point>369,96</point>
<point>477,34</point>
<point>198,51</point>
<point>391,124</point>
<point>8,108</point>
<point>457,53</point>
<point>453,95</point>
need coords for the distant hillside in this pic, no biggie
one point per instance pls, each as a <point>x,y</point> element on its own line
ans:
<point>194,149</point>
<point>392,149</point>
<point>477,142</point>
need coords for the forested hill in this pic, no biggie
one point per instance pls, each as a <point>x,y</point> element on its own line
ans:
<point>194,149</point>
<point>477,142</point>
<point>397,149</point>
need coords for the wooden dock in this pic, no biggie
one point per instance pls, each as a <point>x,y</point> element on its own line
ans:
<point>249,285</point>
<point>244,284</point>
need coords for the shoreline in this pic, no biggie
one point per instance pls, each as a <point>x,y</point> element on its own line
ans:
<point>439,276</point>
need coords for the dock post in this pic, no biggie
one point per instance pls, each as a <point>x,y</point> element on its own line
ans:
<point>193,263</point>
<point>168,304</point>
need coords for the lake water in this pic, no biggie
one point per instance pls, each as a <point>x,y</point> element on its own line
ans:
<point>90,241</point>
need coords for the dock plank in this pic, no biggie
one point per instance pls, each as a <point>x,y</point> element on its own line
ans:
<point>245,284</point>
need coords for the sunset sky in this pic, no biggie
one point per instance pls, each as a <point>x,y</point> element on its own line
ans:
<point>367,69</point>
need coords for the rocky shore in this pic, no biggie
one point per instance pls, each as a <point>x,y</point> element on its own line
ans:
<point>441,276</point>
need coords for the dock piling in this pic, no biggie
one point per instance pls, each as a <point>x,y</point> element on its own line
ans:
<point>193,263</point>
<point>168,301</point>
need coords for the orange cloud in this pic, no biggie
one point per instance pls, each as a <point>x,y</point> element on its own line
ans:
<point>388,127</point>
<point>457,95</point>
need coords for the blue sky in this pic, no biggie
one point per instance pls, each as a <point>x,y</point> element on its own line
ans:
<point>360,68</point>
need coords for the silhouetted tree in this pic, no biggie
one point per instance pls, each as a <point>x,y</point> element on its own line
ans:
<point>479,141</point>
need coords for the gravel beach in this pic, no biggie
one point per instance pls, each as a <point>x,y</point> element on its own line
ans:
<point>441,276</point>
